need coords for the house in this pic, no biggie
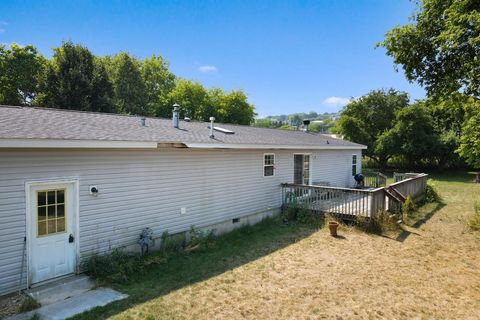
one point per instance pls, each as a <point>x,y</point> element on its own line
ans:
<point>73,184</point>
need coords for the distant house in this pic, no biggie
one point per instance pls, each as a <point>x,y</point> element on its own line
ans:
<point>73,184</point>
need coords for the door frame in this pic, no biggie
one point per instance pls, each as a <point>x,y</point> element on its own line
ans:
<point>28,218</point>
<point>309,165</point>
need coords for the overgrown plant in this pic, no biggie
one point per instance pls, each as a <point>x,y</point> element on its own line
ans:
<point>380,223</point>
<point>115,267</point>
<point>408,208</point>
<point>431,193</point>
<point>474,221</point>
<point>302,215</point>
<point>201,238</point>
<point>29,304</point>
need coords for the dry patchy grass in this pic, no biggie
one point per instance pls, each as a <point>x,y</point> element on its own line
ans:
<point>296,272</point>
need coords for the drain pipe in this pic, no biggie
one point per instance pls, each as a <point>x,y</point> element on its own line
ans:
<point>211,127</point>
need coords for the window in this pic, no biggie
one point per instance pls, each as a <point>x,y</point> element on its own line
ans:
<point>50,212</point>
<point>301,169</point>
<point>268,164</point>
<point>354,164</point>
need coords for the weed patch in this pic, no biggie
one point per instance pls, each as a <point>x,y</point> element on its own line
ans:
<point>474,221</point>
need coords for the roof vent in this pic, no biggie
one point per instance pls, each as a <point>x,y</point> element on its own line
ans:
<point>176,115</point>
<point>223,130</point>
<point>305,125</point>
<point>143,121</point>
<point>211,127</point>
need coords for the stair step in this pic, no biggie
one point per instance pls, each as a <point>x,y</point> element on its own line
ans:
<point>61,289</point>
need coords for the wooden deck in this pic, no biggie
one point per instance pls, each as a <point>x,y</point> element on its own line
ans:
<point>348,204</point>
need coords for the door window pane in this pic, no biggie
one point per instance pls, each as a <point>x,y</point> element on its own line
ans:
<point>51,215</point>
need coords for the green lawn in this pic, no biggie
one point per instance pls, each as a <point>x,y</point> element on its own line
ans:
<point>430,270</point>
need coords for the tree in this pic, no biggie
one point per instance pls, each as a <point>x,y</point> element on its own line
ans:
<point>130,92</point>
<point>75,79</point>
<point>237,109</point>
<point>192,98</point>
<point>69,78</point>
<point>102,89</point>
<point>413,137</point>
<point>159,82</point>
<point>470,140</point>
<point>20,72</point>
<point>264,123</point>
<point>364,120</point>
<point>440,49</point>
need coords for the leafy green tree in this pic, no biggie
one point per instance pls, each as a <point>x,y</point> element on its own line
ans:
<point>440,48</point>
<point>193,99</point>
<point>75,79</point>
<point>159,82</point>
<point>364,120</point>
<point>237,109</point>
<point>69,78</point>
<point>264,123</point>
<point>470,140</point>
<point>102,89</point>
<point>413,137</point>
<point>130,93</point>
<point>20,72</point>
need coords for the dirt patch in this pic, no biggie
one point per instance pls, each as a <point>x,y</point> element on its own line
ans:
<point>11,304</point>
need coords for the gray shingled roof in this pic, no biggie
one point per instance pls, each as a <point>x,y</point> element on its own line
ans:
<point>55,124</point>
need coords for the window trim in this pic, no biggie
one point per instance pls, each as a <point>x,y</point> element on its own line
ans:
<point>269,165</point>
<point>309,165</point>
<point>354,156</point>
<point>65,209</point>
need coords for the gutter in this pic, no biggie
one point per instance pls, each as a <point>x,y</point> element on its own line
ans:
<point>105,144</point>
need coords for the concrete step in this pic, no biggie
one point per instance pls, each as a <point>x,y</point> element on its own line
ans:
<point>61,289</point>
<point>64,309</point>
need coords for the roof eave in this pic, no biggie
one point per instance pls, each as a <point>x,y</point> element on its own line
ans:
<point>270,146</point>
<point>107,144</point>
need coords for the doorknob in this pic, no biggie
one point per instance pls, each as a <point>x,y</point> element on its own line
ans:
<point>71,238</point>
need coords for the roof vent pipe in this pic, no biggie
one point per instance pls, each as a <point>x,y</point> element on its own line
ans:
<point>305,125</point>
<point>211,127</point>
<point>176,115</point>
<point>142,121</point>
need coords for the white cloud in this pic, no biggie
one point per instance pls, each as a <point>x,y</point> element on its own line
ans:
<point>336,101</point>
<point>207,69</point>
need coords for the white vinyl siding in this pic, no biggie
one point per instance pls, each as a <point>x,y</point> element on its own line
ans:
<point>140,189</point>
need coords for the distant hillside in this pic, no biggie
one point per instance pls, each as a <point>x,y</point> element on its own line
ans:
<point>323,123</point>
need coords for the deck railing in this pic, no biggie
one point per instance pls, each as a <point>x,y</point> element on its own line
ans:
<point>375,179</point>
<point>346,203</point>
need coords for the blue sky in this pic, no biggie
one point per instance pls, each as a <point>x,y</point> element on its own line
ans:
<point>288,56</point>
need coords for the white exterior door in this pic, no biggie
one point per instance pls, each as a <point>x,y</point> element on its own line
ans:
<point>52,225</point>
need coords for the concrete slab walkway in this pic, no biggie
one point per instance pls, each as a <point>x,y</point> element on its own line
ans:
<point>69,307</point>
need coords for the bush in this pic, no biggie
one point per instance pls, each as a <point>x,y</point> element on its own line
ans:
<point>201,238</point>
<point>380,223</point>
<point>172,243</point>
<point>302,215</point>
<point>431,193</point>
<point>115,267</point>
<point>408,208</point>
<point>474,222</point>
<point>29,304</point>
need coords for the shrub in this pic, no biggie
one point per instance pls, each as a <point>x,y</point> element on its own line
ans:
<point>302,215</point>
<point>474,221</point>
<point>29,304</point>
<point>117,266</point>
<point>431,193</point>
<point>201,238</point>
<point>173,243</point>
<point>408,207</point>
<point>380,223</point>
